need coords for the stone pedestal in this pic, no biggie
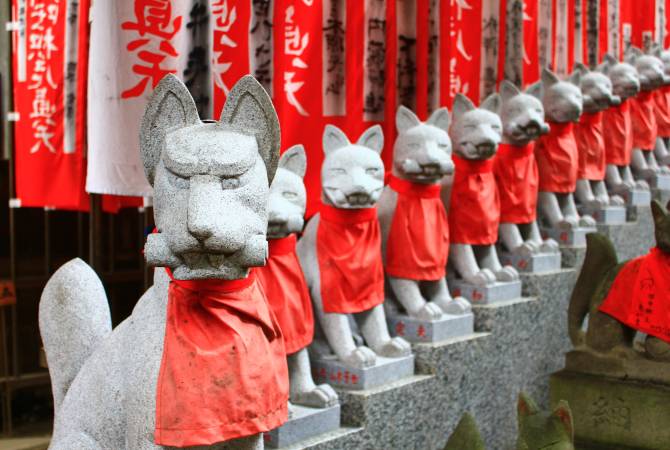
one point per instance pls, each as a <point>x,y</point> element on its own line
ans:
<point>660,181</point>
<point>612,413</point>
<point>608,215</point>
<point>574,237</point>
<point>415,330</point>
<point>328,369</point>
<point>484,295</point>
<point>304,423</point>
<point>634,197</point>
<point>536,263</point>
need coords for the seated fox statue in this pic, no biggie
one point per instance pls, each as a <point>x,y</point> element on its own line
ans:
<point>340,250</point>
<point>284,283</point>
<point>415,231</point>
<point>622,299</point>
<point>201,359</point>
<point>537,430</point>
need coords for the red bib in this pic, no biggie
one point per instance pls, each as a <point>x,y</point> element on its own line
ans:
<point>619,135</point>
<point>418,243</point>
<point>643,117</point>
<point>640,295</point>
<point>286,290</point>
<point>516,176</point>
<point>591,147</point>
<point>662,107</point>
<point>223,374</point>
<point>558,159</point>
<point>348,249</point>
<point>474,211</point>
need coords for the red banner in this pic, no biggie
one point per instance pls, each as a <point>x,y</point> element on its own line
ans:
<point>603,30</point>
<point>297,82</point>
<point>230,22</point>
<point>465,58</point>
<point>531,55</point>
<point>49,154</point>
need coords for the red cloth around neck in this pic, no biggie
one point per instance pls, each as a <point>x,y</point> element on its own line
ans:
<point>619,135</point>
<point>640,295</point>
<point>474,209</point>
<point>591,146</point>
<point>348,248</point>
<point>517,180</point>
<point>284,285</point>
<point>643,116</point>
<point>418,242</point>
<point>223,374</point>
<point>662,108</point>
<point>557,159</point>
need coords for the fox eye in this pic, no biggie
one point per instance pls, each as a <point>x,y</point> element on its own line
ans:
<point>289,195</point>
<point>230,183</point>
<point>443,145</point>
<point>177,181</point>
<point>338,171</point>
<point>372,170</point>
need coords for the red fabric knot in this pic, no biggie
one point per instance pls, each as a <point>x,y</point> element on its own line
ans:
<point>413,189</point>
<point>344,216</point>
<point>282,246</point>
<point>473,166</point>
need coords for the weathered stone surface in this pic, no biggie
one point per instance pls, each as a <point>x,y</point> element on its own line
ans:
<point>614,414</point>
<point>534,263</point>
<point>385,370</point>
<point>572,257</point>
<point>609,215</point>
<point>632,238</point>
<point>575,237</point>
<point>488,294</point>
<point>304,423</point>
<point>449,326</point>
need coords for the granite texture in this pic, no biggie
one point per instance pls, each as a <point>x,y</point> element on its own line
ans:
<point>633,238</point>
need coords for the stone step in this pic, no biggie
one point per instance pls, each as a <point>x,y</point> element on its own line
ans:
<point>344,438</point>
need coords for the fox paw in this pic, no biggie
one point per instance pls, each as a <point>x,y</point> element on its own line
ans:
<point>361,358</point>
<point>322,396</point>
<point>507,273</point>
<point>568,223</point>
<point>587,221</point>
<point>482,278</point>
<point>456,306</point>
<point>429,311</point>
<point>395,348</point>
<point>550,246</point>
<point>617,200</point>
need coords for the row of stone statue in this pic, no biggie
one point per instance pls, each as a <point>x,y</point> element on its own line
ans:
<point>208,352</point>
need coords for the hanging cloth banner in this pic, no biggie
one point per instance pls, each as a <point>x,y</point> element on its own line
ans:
<point>134,44</point>
<point>297,83</point>
<point>531,68</point>
<point>465,58</point>
<point>603,30</point>
<point>512,17</point>
<point>230,48</point>
<point>563,37</point>
<point>642,23</point>
<point>545,33</point>
<point>614,19</point>
<point>48,97</point>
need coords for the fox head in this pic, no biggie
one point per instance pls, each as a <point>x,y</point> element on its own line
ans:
<point>522,116</point>
<point>650,69</point>
<point>541,430</point>
<point>352,175</point>
<point>211,180</point>
<point>476,132</point>
<point>422,150</point>
<point>624,77</point>
<point>596,90</point>
<point>661,225</point>
<point>562,100</point>
<point>288,197</point>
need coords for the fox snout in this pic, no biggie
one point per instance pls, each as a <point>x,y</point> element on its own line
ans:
<point>284,224</point>
<point>485,149</point>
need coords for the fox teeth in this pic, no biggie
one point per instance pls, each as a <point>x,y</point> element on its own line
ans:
<point>216,260</point>
<point>191,259</point>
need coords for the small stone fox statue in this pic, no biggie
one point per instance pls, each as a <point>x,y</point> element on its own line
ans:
<point>556,152</point>
<point>516,172</point>
<point>662,104</point>
<point>284,283</point>
<point>474,205</point>
<point>537,430</point>
<point>608,293</point>
<point>415,232</point>
<point>340,250</point>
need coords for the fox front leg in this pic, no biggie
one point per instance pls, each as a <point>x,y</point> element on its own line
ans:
<point>463,259</point>
<point>546,245</point>
<point>552,212</point>
<point>513,241</point>
<point>488,258</point>
<point>438,293</point>
<point>375,331</point>
<point>570,212</point>
<point>409,295</point>
<point>303,390</point>
<point>585,194</point>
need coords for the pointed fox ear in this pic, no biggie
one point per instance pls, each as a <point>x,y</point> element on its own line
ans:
<point>405,119</point>
<point>658,212</point>
<point>333,139</point>
<point>372,138</point>
<point>295,160</point>
<point>249,109</point>
<point>548,78</point>
<point>170,106</point>
<point>564,414</point>
<point>492,103</point>
<point>535,90</point>
<point>440,119</point>
<point>462,104</point>
<point>508,90</point>
<point>526,406</point>
<point>575,78</point>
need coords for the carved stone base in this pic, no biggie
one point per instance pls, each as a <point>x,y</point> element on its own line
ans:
<point>387,370</point>
<point>304,423</point>
<point>609,215</point>
<point>635,197</point>
<point>484,295</point>
<point>537,263</point>
<point>635,366</point>
<point>614,414</point>
<point>660,182</point>
<point>575,237</point>
<point>415,330</point>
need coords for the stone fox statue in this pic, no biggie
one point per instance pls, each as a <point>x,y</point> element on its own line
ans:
<point>340,250</point>
<point>415,232</point>
<point>124,389</point>
<point>624,298</point>
<point>283,280</point>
